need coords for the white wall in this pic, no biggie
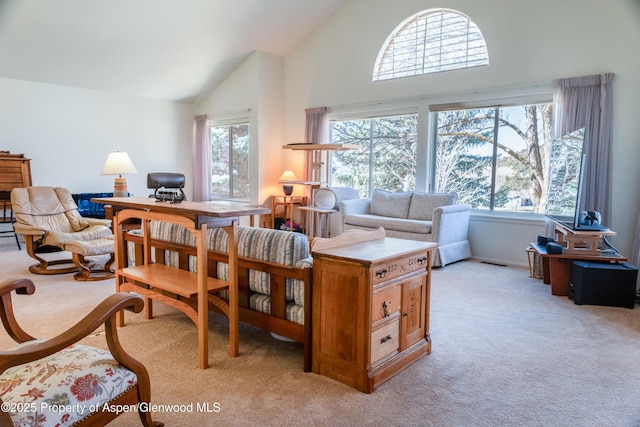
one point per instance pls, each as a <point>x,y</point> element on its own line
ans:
<point>528,42</point>
<point>255,88</point>
<point>67,133</point>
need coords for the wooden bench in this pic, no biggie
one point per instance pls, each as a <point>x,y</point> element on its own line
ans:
<point>180,251</point>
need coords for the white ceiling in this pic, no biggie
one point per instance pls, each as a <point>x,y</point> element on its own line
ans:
<point>161,49</point>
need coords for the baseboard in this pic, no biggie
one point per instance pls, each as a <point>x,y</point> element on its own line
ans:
<point>499,262</point>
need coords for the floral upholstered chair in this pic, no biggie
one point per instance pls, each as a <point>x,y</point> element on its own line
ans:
<point>59,382</point>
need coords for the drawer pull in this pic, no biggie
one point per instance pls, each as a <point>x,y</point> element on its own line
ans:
<point>422,260</point>
<point>381,273</point>
<point>385,339</point>
<point>384,309</point>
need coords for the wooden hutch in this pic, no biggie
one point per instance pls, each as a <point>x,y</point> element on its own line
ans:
<point>15,171</point>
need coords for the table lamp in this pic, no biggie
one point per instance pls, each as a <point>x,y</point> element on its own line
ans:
<point>119,163</point>
<point>286,178</point>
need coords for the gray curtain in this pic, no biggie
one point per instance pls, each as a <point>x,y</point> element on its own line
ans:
<point>317,132</point>
<point>317,125</point>
<point>201,160</point>
<point>587,102</point>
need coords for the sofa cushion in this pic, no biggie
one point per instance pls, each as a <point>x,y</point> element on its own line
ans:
<point>399,224</point>
<point>423,204</point>
<point>388,203</point>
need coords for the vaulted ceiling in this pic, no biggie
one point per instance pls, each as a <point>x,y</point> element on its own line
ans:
<point>174,50</point>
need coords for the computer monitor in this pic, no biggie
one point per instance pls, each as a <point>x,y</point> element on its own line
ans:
<point>565,179</point>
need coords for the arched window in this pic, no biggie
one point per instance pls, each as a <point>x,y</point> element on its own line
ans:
<point>431,41</point>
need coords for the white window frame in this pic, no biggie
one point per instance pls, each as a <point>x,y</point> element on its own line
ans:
<point>415,48</point>
<point>427,106</point>
<point>229,120</point>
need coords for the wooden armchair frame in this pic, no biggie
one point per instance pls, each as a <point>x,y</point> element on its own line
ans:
<point>105,313</point>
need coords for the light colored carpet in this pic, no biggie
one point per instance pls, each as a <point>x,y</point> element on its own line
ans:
<point>505,353</point>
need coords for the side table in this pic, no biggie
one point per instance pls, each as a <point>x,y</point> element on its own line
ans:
<point>288,204</point>
<point>318,221</point>
<point>556,268</point>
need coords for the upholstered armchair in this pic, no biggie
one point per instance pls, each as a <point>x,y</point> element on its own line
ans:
<point>58,381</point>
<point>48,219</point>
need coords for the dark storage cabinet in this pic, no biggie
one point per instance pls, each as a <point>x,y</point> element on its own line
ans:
<point>603,283</point>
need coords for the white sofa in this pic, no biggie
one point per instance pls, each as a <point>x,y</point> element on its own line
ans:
<point>414,215</point>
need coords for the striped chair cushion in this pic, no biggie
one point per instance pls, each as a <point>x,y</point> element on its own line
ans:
<point>275,246</point>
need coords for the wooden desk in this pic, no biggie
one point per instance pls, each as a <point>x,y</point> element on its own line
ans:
<point>201,212</point>
<point>154,280</point>
<point>556,268</point>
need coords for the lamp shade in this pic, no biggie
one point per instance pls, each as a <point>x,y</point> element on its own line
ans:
<point>287,176</point>
<point>118,163</point>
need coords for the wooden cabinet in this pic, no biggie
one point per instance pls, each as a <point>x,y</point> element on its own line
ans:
<point>15,171</point>
<point>370,310</point>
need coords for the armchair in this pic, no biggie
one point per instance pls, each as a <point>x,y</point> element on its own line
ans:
<point>48,219</point>
<point>57,381</point>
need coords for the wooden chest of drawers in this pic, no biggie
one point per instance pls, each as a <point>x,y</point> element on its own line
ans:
<point>370,310</point>
<point>15,171</point>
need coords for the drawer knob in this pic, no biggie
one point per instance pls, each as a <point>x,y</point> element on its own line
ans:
<point>385,339</point>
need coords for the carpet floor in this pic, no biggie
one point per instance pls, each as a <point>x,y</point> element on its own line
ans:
<point>505,353</point>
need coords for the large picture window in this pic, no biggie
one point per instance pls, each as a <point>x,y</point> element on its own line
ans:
<point>386,158</point>
<point>495,158</point>
<point>230,160</point>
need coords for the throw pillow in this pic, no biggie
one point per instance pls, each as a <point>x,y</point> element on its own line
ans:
<point>423,204</point>
<point>388,203</point>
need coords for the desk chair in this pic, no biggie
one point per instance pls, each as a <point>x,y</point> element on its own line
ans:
<point>7,216</point>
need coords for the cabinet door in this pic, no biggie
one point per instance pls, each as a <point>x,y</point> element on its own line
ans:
<point>414,295</point>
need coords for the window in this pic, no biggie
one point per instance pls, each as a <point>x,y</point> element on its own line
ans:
<point>429,42</point>
<point>495,158</point>
<point>386,158</point>
<point>230,160</point>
